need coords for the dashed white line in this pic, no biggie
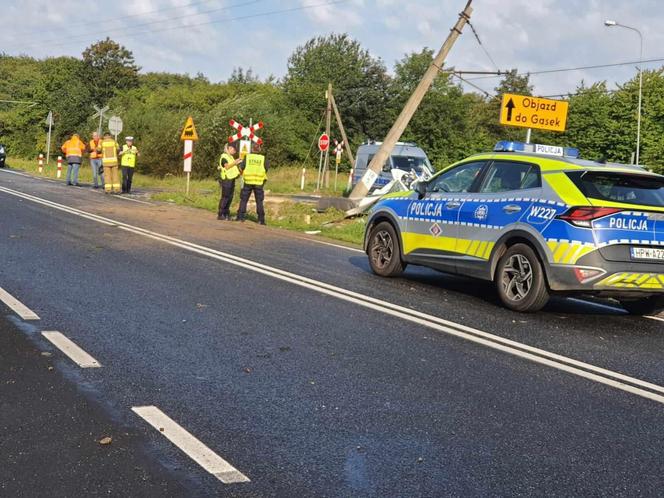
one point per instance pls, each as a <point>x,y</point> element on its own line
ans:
<point>597,374</point>
<point>17,306</point>
<point>68,347</point>
<point>191,446</point>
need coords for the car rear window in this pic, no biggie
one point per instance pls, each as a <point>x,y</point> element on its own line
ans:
<point>620,187</point>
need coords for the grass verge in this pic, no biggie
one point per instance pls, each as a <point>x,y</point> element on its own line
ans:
<point>204,194</point>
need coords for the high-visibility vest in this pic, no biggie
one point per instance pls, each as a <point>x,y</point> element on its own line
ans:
<point>228,173</point>
<point>73,147</point>
<point>128,156</point>
<point>254,169</point>
<point>109,152</point>
<point>95,145</point>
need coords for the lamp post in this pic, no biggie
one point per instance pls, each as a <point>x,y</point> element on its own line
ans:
<point>609,23</point>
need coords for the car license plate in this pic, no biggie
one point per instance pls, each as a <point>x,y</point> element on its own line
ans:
<point>647,253</point>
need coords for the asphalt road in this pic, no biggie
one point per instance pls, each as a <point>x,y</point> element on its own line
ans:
<point>303,387</point>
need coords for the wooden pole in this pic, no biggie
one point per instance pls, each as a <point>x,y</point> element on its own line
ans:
<point>343,132</point>
<point>373,171</point>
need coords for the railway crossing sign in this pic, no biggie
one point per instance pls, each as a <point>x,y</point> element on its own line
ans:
<point>533,112</point>
<point>189,130</point>
<point>338,150</point>
<point>246,132</point>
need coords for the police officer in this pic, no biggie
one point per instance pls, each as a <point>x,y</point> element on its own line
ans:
<point>254,171</point>
<point>128,156</point>
<point>229,171</point>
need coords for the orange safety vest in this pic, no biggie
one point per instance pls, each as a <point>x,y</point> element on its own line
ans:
<point>95,148</point>
<point>74,147</point>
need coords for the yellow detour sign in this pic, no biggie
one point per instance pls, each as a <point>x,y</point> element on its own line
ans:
<point>189,131</point>
<point>533,112</point>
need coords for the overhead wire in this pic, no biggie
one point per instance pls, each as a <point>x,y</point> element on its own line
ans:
<point>216,21</point>
<point>479,42</point>
<point>98,33</point>
<point>123,18</point>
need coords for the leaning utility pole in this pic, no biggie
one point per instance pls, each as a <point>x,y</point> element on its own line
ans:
<point>369,178</point>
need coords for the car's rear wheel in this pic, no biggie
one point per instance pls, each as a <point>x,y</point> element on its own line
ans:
<point>520,280</point>
<point>646,306</point>
<point>383,250</point>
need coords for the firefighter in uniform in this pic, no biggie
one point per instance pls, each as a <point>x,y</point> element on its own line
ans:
<point>229,171</point>
<point>254,172</point>
<point>128,156</point>
<point>109,159</point>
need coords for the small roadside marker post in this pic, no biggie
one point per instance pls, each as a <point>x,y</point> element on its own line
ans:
<point>58,174</point>
<point>189,136</point>
<point>41,163</point>
<point>49,122</point>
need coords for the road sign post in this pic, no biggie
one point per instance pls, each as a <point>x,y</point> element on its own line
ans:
<point>533,112</point>
<point>323,146</point>
<point>189,136</point>
<point>100,114</point>
<point>115,126</point>
<point>338,150</point>
<point>49,121</point>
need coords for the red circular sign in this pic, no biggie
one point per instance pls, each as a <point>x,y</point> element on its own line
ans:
<point>324,142</point>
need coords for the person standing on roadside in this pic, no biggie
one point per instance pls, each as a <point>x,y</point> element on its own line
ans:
<point>128,156</point>
<point>95,161</point>
<point>109,159</point>
<point>229,171</point>
<point>254,171</point>
<point>73,150</point>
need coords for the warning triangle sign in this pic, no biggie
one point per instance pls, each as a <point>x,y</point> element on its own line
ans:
<point>189,131</point>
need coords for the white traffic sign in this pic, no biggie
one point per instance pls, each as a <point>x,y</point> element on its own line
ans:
<point>323,142</point>
<point>49,118</point>
<point>115,125</point>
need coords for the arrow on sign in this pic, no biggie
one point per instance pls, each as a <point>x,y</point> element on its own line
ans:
<point>510,107</point>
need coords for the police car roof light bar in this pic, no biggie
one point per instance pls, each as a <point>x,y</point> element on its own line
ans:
<point>548,150</point>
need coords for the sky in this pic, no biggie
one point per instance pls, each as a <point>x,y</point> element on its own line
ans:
<point>215,36</point>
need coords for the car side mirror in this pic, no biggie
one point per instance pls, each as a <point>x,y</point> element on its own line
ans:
<point>420,187</point>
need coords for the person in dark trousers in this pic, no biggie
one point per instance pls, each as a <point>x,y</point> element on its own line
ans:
<point>228,172</point>
<point>128,156</point>
<point>254,171</point>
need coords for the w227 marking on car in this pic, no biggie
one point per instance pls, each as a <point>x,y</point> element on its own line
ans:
<point>543,213</point>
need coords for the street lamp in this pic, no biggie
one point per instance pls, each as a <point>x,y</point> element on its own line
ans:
<point>609,23</point>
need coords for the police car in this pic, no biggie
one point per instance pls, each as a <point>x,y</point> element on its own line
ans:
<point>535,220</point>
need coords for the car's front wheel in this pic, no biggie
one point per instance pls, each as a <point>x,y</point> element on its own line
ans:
<point>520,280</point>
<point>383,250</point>
<point>646,306</point>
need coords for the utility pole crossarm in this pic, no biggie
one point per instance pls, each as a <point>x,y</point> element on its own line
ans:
<point>400,125</point>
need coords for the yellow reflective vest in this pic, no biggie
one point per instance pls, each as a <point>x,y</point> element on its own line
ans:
<point>128,158</point>
<point>254,169</point>
<point>109,152</point>
<point>228,173</point>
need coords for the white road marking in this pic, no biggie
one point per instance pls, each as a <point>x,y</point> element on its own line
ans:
<point>68,347</point>
<point>581,369</point>
<point>15,173</point>
<point>17,306</point>
<point>656,318</point>
<point>330,244</point>
<point>191,446</point>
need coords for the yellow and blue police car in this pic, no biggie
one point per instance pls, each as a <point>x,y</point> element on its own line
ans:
<point>535,220</point>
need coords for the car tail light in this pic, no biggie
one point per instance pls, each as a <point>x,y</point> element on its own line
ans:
<point>584,216</point>
<point>585,274</point>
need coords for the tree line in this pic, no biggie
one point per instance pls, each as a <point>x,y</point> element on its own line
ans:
<point>450,124</point>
